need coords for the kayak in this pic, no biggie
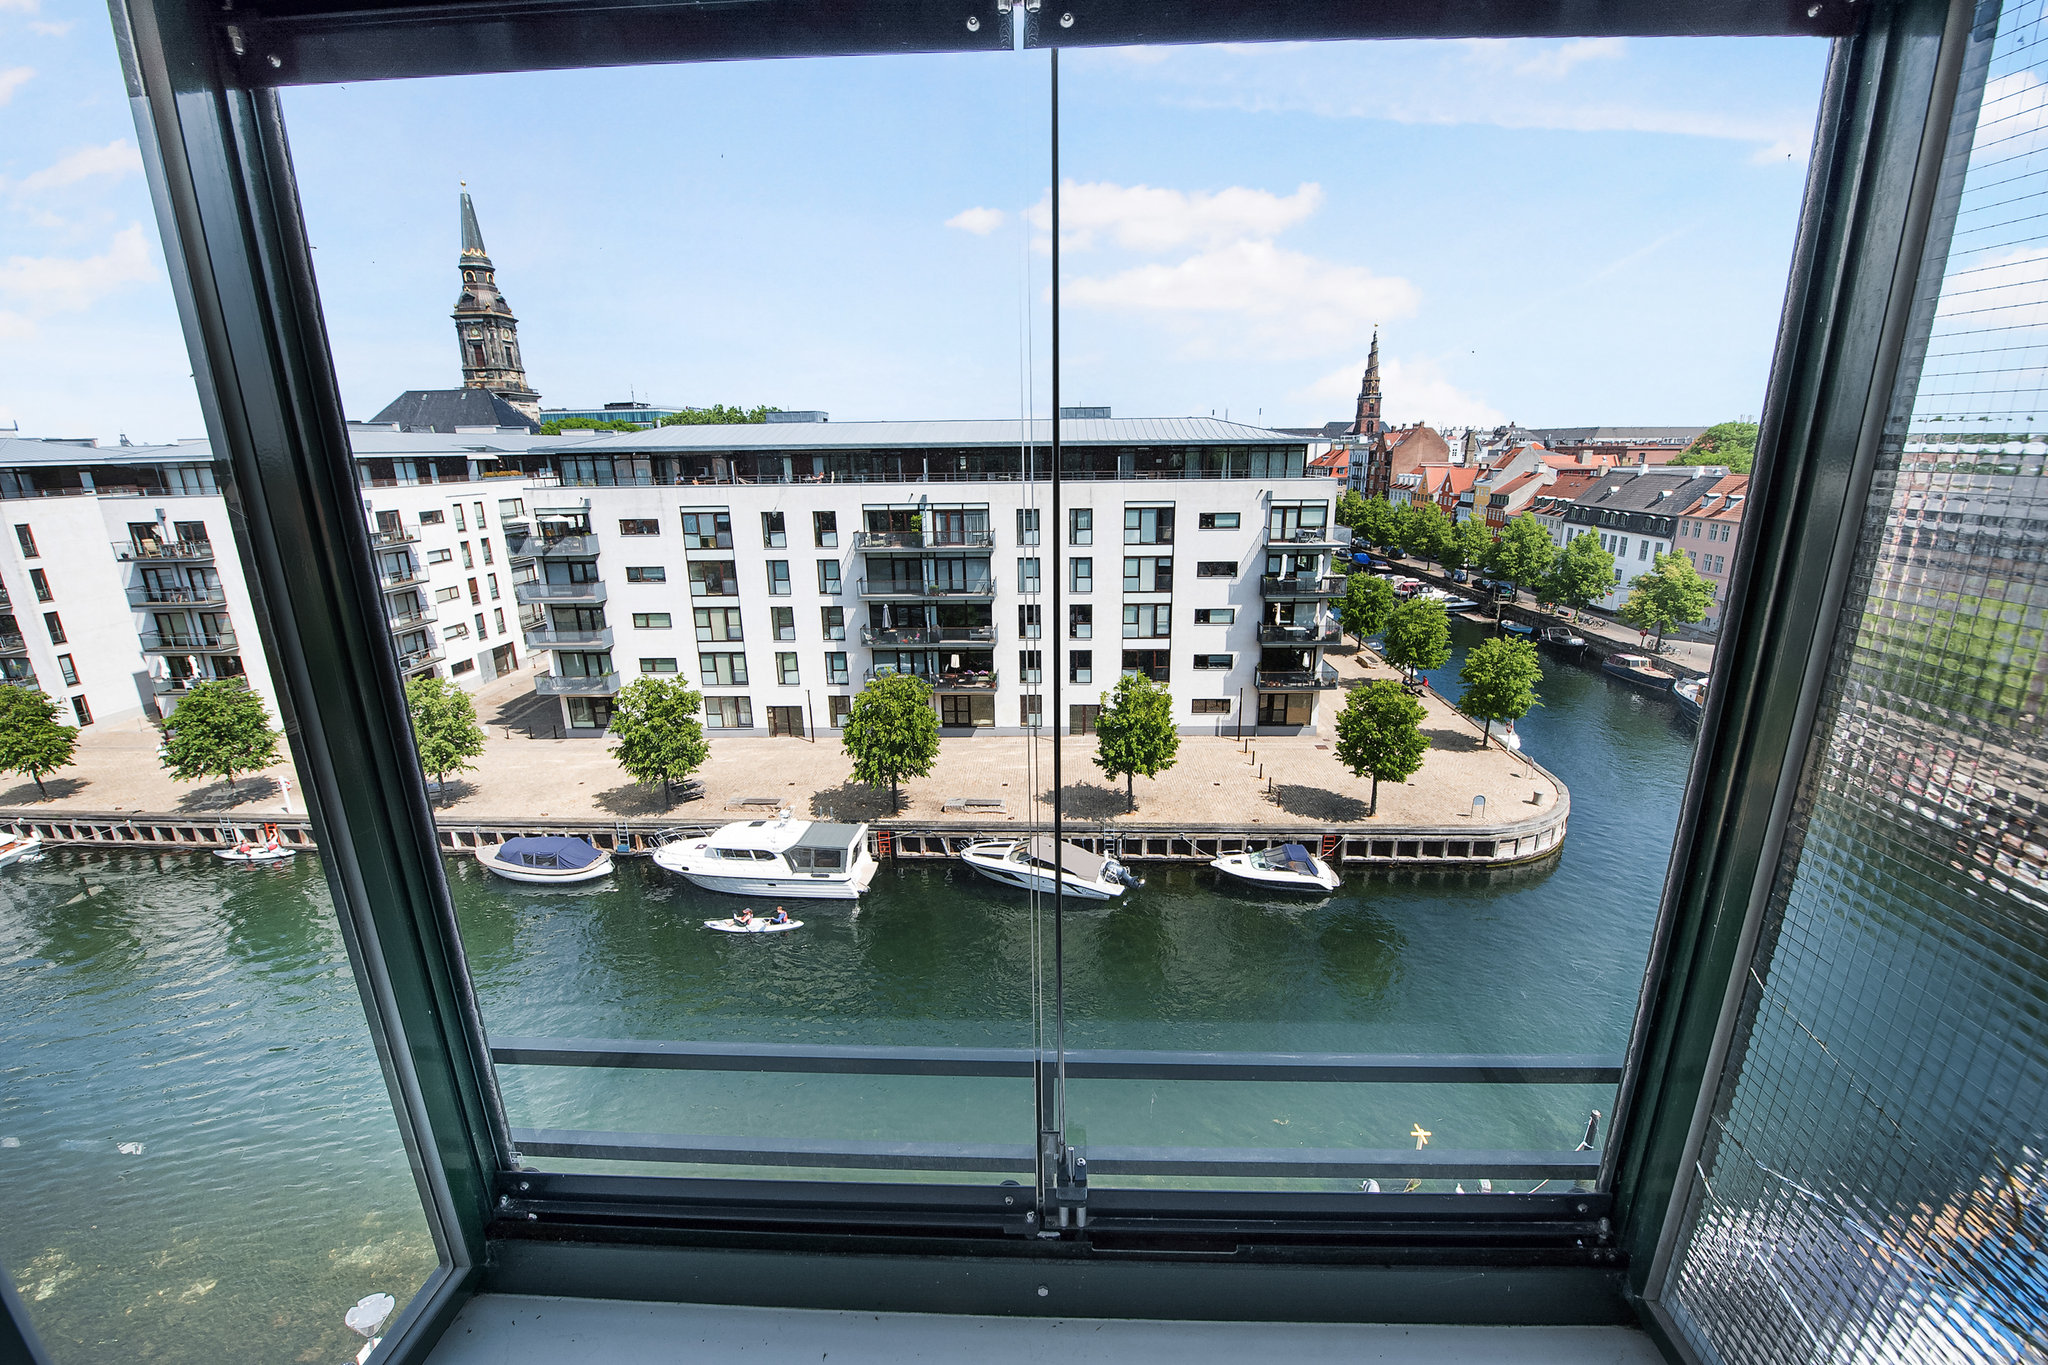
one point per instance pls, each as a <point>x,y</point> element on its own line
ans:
<point>759,926</point>
<point>261,853</point>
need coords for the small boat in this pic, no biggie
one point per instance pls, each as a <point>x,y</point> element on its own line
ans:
<point>1290,867</point>
<point>245,852</point>
<point>16,846</point>
<point>756,925</point>
<point>1028,864</point>
<point>1637,670</point>
<point>801,859</point>
<point>1518,629</point>
<point>1692,696</point>
<point>1455,604</point>
<point>545,859</point>
<point>1561,637</point>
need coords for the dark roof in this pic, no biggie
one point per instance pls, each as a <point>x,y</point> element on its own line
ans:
<point>1556,436</point>
<point>1627,492</point>
<point>472,235</point>
<point>446,409</point>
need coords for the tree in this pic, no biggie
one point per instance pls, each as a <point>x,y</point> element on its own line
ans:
<point>1135,735</point>
<point>1367,602</point>
<point>1469,545</point>
<point>1523,553</point>
<point>1729,443</point>
<point>561,424</point>
<point>444,727</point>
<point>1500,678</point>
<point>656,736</point>
<point>1424,530</point>
<point>717,415</point>
<point>219,727</point>
<point>1351,511</point>
<point>1379,735</point>
<point>892,732</point>
<point>32,739</point>
<point>1671,593</point>
<point>1379,523</point>
<point>1418,636</point>
<point>1583,574</point>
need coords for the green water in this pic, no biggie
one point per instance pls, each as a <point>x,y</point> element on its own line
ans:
<point>207,1013</point>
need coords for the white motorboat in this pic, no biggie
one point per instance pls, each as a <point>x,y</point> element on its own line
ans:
<point>1028,865</point>
<point>16,846</point>
<point>545,860</point>
<point>805,859</point>
<point>756,925</point>
<point>270,850</point>
<point>1290,867</point>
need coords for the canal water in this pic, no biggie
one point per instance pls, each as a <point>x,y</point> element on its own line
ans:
<point>199,1163</point>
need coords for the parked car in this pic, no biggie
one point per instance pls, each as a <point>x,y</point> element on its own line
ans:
<point>1498,587</point>
<point>1460,576</point>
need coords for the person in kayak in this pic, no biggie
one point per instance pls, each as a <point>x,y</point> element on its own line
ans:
<point>744,917</point>
<point>781,915</point>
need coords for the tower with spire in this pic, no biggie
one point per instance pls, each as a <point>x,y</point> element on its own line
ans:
<point>1366,426</point>
<point>485,329</point>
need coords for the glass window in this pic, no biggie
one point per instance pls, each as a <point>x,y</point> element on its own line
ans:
<point>785,667</point>
<point>1147,620</point>
<point>1028,619</point>
<point>54,626</point>
<point>1027,575</point>
<point>714,578</point>
<point>67,670</point>
<point>476,593</point>
<point>492,580</point>
<point>713,623</point>
<point>1148,526</point>
<point>836,710</point>
<point>1215,616</point>
<point>1149,663</point>
<point>1214,660</point>
<point>722,670</point>
<point>39,581</point>
<point>27,540</point>
<point>707,530</point>
<point>468,557</point>
<point>1030,664</point>
<point>834,620</point>
<point>1145,573</point>
<point>835,669</point>
<point>783,621</point>
<point>455,630</point>
<point>1080,526</point>
<point>81,710</point>
<point>1080,665</point>
<point>778,578</point>
<point>1216,568</point>
<point>1216,521</point>
<point>1081,718</point>
<point>828,577</point>
<point>964,710</point>
<point>728,713</point>
<point>590,713</point>
<point>507,507</point>
<point>486,543</point>
<point>639,526</point>
<point>658,620</point>
<point>1080,621</point>
<point>498,617</point>
<point>1212,706</point>
<point>825,529</point>
<point>439,556</point>
<point>772,533</point>
<point>1027,526</point>
<point>1081,574</point>
<point>447,594</point>
<point>1031,711</point>
<point>432,518</point>
<point>657,665</point>
<point>461,523</point>
<point>646,573</point>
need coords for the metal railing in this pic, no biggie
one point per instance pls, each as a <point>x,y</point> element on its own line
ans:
<point>400,536</point>
<point>13,644</point>
<point>174,597</point>
<point>1277,633</point>
<point>20,680</point>
<point>1301,585</point>
<point>1104,1064</point>
<point>592,592</point>
<point>924,588</point>
<point>163,549</point>
<point>1317,536</point>
<point>197,642</point>
<point>419,616</point>
<point>415,660</point>
<point>556,685</point>
<point>574,545</point>
<point>569,639</point>
<point>392,579</point>
<point>1296,680</point>
<point>914,637</point>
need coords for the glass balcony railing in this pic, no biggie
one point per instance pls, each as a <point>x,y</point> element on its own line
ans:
<point>909,588</point>
<point>391,580</point>
<point>1302,633</point>
<point>569,639</point>
<point>414,660</point>
<point>556,685</point>
<point>400,535</point>
<point>13,644</point>
<point>411,620</point>
<point>163,550</point>
<point>591,593</point>
<point>912,637</point>
<point>199,642</point>
<point>1297,679</point>
<point>1301,586</point>
<point>198,596</point>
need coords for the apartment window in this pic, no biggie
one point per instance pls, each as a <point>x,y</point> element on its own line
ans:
<point>728,713</point>
<point>835,670</point>
<point>492,580</point>
<point>714,578</point>
<point>1147,620</point>
<point>454,630</point>
<point>1031,712</point>
<point>772,533</point>
<point>659,620</point>
<point>1080,622</point>
<point>713,623</point>
<point>707,531</point>
<point>778,578</point>
<point>1215,616</point>
<point>507,507</point>
<point>432,517</point>
<point>40,581</point>
<point>1147,573</point>
<point>966,711</point>
<point>722,670</point>
<point>28,541</point>
<point>1149,663</point>
<point>1080,526</point>
<point>476,595</point>
<point>1148,526</point>
<point>639,526</point>
<point>1212,706</point>
<point>460,523</point>
<point>1028,619</point>
<point>1081,718</point>
<point>1216,521</point>
<point>785,668</point>
<point>1286,708</point>
<point>447,594</point>
<point>1223,661</point>
<point>1080,665</point>
<point>825,529</point>
<point>1621,551</point>
<point>439,556</point>
<point>828,577</point>
<point>1027,575</point>
<point>657,665</point>
<point>468,558</point>
<point>55,627</point>
<point>487,551</point>
<point>646,573</point>
<point>590,713</point>
<point>1642,549</point>
<point>782,621</point>
<point>81,710</point>
<point>834,619</point>
<point>1027,525</point>
<point>1216,568</point>
<point>480,522</point>
<point>1030,665</point>
<point>481,632</point>
<point>837,709</point>
<point>1081,573</point>
<point>67,670</point>
<point>498,618</point>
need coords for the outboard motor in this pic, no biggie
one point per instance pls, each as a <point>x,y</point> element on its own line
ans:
<point>1117,872</point>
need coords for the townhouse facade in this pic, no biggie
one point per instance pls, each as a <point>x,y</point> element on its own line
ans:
<point>1707,533</point>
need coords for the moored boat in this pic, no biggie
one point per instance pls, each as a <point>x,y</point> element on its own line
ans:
<point>1561,637</point>
<point>545,860</point>
<point>1290,867</point>
<point>1692,696</point>
<point>269,849</point>
<point>1520,630</point>
<point>804,859</point>
<point>1638,671</point>
<point>15,846</point>
<point>1028,865</point>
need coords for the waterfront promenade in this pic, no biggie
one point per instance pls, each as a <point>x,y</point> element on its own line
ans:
<point>1219,780</point>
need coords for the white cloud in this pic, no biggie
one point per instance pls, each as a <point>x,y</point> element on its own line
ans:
<point>1274,293</point>
<point>1997,288</point>
<point>51,28</point>
<point>2014,116</point>
<point>1146,218</point>
<point>1412,391</point>
<point>12,79</point>
<point>25,6</point>
<point>979,221</point>
<point>116,158</point>
<point>1549,61</point>
<point>59,284</point>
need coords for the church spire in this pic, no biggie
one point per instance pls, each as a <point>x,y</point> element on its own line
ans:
<point>485,330</point>
<point>1367,423</point>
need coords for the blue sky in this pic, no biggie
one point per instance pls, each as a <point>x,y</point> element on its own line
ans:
<point>1557,232</point>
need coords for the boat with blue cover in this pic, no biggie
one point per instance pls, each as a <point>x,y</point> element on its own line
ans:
<point>545,859</point>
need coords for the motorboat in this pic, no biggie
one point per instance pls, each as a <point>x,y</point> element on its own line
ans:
<point>804,859</point>
<point>545,859</point>
<point>1638,671</point>
<point>1561,637</point>
<point>269,851</point>
<point>1691,696</point>
<point>1290,867</point>
<point>1519,629</point>
<point>1028,864</point>
<point>15,846</point>
<point>756,925</point>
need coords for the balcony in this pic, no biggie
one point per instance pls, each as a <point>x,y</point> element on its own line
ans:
<point>386,540</point>
<point>888,540</point>
<point>555,685</point>
<point>569,639</point>
<point>918,590</point>
<point>178,687</point>
<point>13,644</point>
<point>176,597</point>
<point>1305,635</point>
<point>163,551</point>
<point>926,637</point>
<point>1310,538</point>
<point>583,594</point>
<point>20,680</point>
<point>411,620</point>
<point>1296,679</point>
<point>416,660</point>
<point>1301,587</point>
<point>569,545</point>
<point>196,642</point>
<point>964,680</point>
<point>391,580</point>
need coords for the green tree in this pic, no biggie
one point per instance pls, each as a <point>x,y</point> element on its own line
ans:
<point>1135,735</point>
<point>1418,636</point>
<point>444,727</point>
<point>1583,574</point>
<point>717,415</point>
<point>32,739</point>
<point>1523,553</point>
<point>1500,678</point>
<point>656,736</point>
<point>219,727</point>
<point>892,732</point>
<point>1379,523</point>
<point>1351,511</point>
<point>1379,735</point>
<point>1671,593</point>
<point>1470,544</point>
<point>1367,602</point>
<point>562,424</point>
<point>1729,443</point>
<point>1424,530</point>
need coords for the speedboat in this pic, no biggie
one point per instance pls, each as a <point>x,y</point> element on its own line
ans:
<point>1561,637</point>
<point>15,846</point>
<point>805,859</point>
<point>545,860</point>
<point>756,925</point>
<point>1290,867</point>
<point>1692,696</point>
<point>1028,864</point>
<point>1637,670</point>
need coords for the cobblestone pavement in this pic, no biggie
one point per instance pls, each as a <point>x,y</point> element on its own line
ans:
<point>1218,779</point>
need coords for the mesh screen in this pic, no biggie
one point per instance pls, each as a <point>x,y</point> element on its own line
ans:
<point>1873,1186</point>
